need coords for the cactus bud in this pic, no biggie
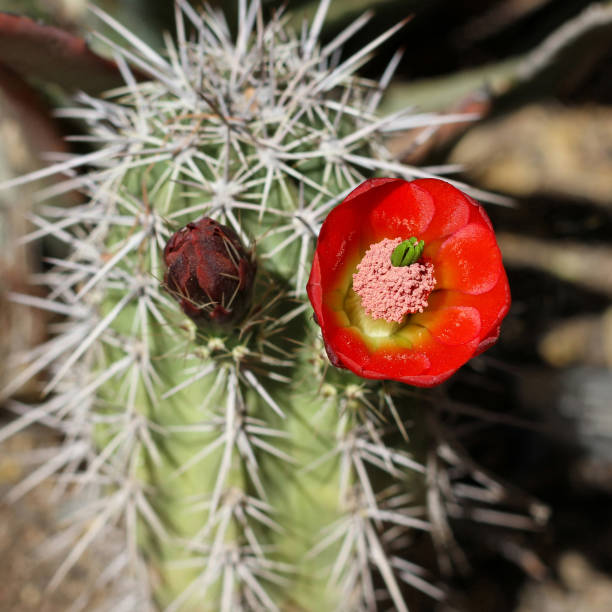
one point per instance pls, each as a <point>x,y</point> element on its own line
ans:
<point>209,272</point>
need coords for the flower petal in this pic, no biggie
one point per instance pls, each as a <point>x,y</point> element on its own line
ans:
<point>479,215</point>
<point>488,341</point>
<point>452,208</point>
<point>314,290</point>
<point>347,348</point>
<point>402,213</point>
<point>368,185</point>
<point>468,261</point>
<point>338,240</point>
<point>492,306</point>
<point>444,359</point>
<point>452,326</point>
<point>428,380</point>
<point>395,364</point>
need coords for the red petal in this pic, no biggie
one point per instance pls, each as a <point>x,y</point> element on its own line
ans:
<point>428,380</point>
<point>445,358</point>
<point>370,184</point>
<point>492,306</point>
<point>395,364</point>
<point>452,326</point>
<point>348,347</point>
<point>488,342</point>
<point>452,208</point>
<point>402,213</point>
<point>479,215</point>
<point>468,261</point>
<point>313,288</point>
<point>427,364</point>
<point>339,239</point>
<point>444,361</point>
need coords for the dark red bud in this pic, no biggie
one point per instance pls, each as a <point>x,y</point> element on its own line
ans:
<point>209,272</point>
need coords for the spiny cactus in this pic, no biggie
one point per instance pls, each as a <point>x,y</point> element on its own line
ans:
<point>234,466</point>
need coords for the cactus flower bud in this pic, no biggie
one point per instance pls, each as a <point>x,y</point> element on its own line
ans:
<point>209,272</point>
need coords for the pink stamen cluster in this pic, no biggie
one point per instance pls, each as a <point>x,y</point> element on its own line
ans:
<point>389,292</point>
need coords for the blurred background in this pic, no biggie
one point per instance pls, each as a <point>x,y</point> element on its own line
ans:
<point>536,409</point>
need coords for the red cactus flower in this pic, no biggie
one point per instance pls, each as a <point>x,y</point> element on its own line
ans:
<point>209,272</point>
<point>407,281</point>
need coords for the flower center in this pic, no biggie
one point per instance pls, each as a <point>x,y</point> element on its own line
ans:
<point>390,281</point>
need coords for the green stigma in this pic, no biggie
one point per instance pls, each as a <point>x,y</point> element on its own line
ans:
<point>408,252</point>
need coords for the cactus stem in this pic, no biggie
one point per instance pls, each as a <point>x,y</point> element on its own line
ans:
<point>228,469</point>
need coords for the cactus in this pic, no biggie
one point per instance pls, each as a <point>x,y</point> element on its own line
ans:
<point>233,465</point>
